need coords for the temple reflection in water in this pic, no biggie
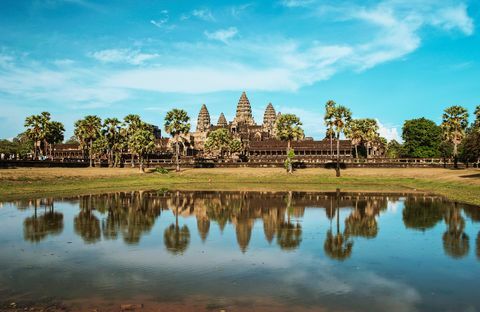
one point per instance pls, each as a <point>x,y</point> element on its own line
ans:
<point>130,215</point>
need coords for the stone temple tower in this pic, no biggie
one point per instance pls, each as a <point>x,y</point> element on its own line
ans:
<point>244,111</point>
<point>269,116</point>
<point>222,121</point>
<point>203,121</point>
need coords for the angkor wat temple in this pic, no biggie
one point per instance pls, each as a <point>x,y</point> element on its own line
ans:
<point>259,140</point>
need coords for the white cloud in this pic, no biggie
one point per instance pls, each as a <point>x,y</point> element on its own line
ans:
<point>162,21</point>
<point>451,18</point>
<point>133,57</point>
<point>70,86</point>
<point>201,79</point>
<point>238,10</point>
<point>223,35</point>
<point>296,3</point>
<point>203,14</point>
<point>388,132</point>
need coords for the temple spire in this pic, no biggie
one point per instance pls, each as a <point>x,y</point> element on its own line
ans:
<point>203,121</point>
<point>269,116</point>
<point>222,121</point>
<point>244,111</point>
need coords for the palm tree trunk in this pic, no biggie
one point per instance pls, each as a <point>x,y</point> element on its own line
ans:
<point>337,170</point>
<point>177,151</point>
<point>356,151</point>
<point>90,153</point>
<point>140,159</point>
<point>289,165</point>
<point>35,150</point>
<point>455,156</point>
<point>331,145</point>
<point>133,160</point>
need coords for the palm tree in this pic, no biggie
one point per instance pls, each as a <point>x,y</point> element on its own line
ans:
<point>288,128</point>
<point>328,120</point>
<point>177,125</point>
<point>455,122</point>
<point>354,133</point>
<point>141,143</point>
<point>476,123</point>
<point>370,133</point>
<point>341,118</point>
<point>37,130</point>
<point>112,134</point>
<point>133,122</point>
<point>87,130</point>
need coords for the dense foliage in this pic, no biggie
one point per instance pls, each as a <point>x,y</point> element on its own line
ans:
<point>421,138</point>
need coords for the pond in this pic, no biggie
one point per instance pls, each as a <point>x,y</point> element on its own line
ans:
<point>240,251</point>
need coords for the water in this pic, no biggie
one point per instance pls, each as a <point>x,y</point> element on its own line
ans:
<point>242,251</point>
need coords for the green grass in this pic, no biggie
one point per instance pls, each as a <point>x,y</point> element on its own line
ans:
<point>30,186</point>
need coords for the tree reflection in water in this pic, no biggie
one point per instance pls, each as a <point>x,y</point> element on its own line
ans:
<point>289,235</point>
<point>131,215</point>
<point>338,246</point>
<point>37,227</point>
<point>176,238</point>
<point>455,241</point>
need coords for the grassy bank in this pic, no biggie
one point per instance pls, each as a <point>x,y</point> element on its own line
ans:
<point>459,185</point>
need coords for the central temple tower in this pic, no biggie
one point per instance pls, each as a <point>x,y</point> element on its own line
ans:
<point>244,112</point>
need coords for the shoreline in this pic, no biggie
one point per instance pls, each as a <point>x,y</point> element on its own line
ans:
<point>458,185</point>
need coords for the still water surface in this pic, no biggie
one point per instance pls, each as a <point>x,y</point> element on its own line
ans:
<point>242,251</point>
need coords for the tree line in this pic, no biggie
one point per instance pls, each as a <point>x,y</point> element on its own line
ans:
<point>112,138</point>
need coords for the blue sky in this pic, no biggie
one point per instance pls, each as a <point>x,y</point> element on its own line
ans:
<point>391,60</point>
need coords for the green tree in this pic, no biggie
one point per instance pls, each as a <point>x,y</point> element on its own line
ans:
<point>87,130</point>
<point>23,145</point>
<point>422,138</point>
<point>235,146</point>
<point>218,141</point>
<point>476,123</point>
<point>141,143</point>
<point>54,135</point>
<point>288,128</point>
<point>354,132</point>
<point>37,130</point>
<point>133,122</point>
<point>328,121</point>
<point>370,134</point>
<point>7,147</point>
<point>394,149</point>
<point>470,151</point>
<point>454,124</point>
<point>115,140</point>
<point>341,118</point>
<point>177,125</point>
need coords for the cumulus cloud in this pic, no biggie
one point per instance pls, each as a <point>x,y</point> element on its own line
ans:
<point>222,35</point>
<point>388,132</point>
<point>133,57</point>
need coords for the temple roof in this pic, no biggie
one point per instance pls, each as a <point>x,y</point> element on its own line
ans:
<point>203,121</point>
<point>222,121</point>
